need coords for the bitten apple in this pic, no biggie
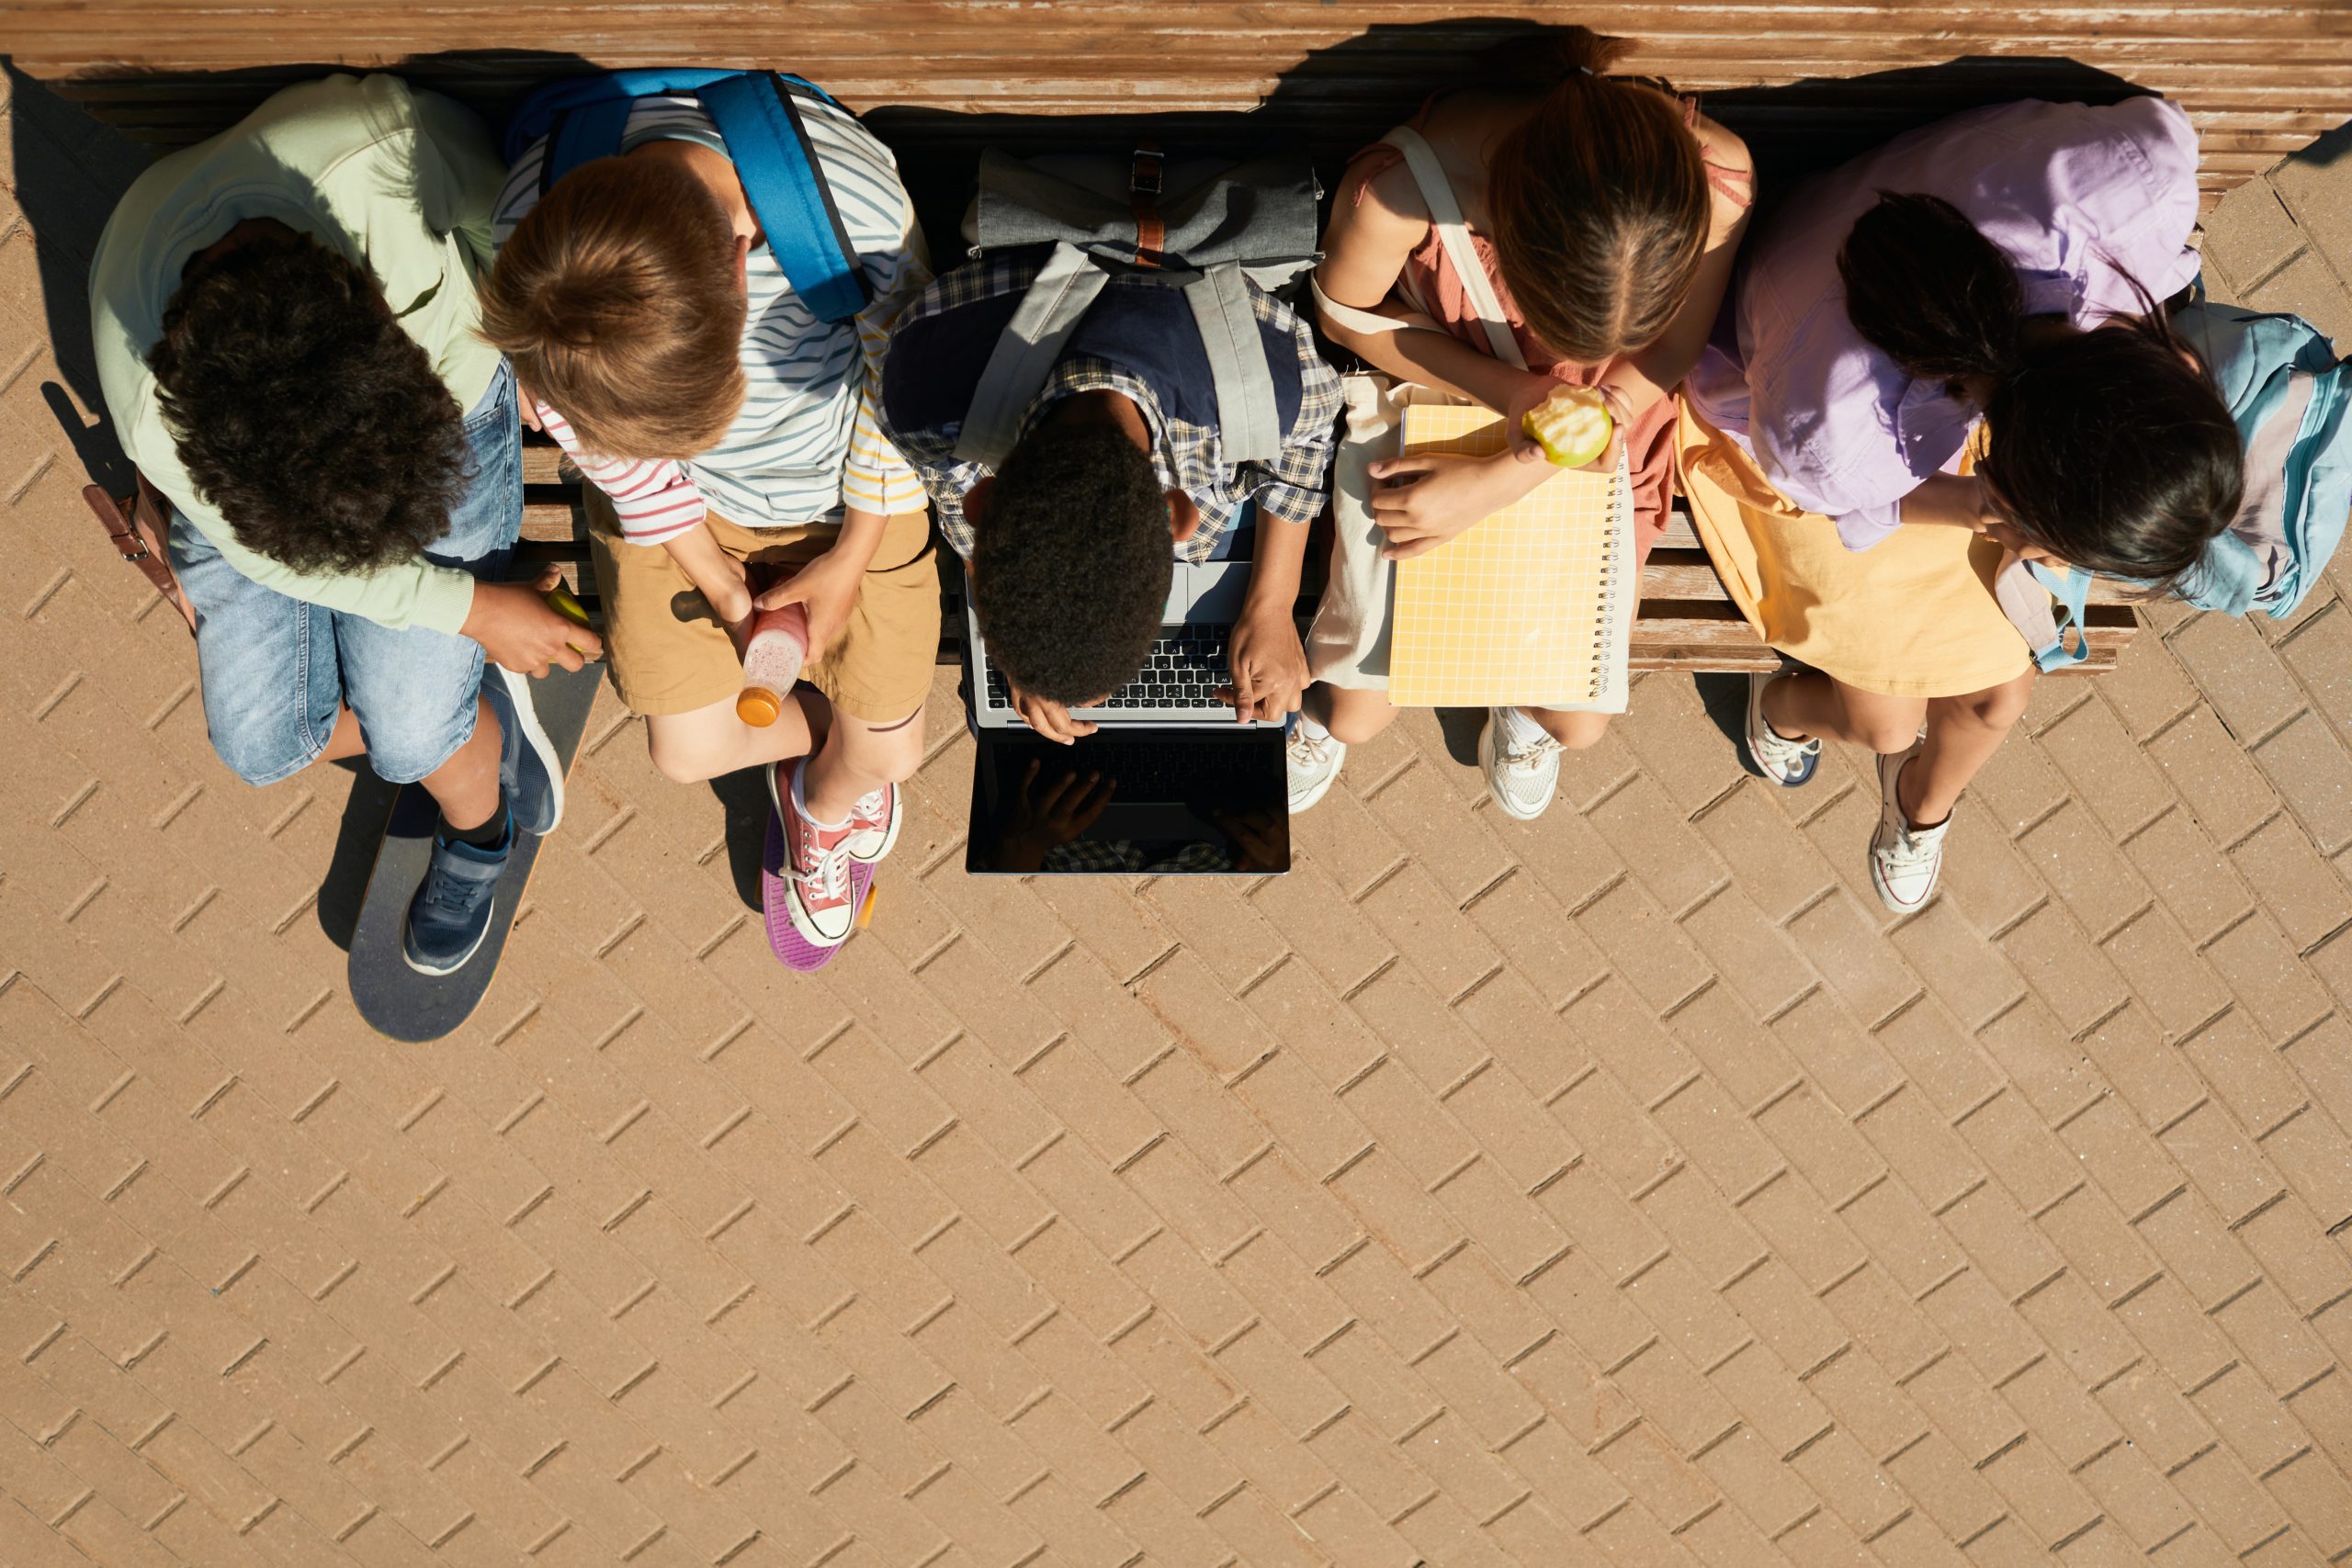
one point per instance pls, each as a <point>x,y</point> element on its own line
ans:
<point>1572,426</point>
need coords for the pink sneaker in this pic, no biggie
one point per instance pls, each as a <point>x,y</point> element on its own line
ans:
<point>874,825</point>
<point>822,903</point>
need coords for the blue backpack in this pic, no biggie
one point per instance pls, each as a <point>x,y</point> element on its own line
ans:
<point>2291,401</point>
<point>758,116</point>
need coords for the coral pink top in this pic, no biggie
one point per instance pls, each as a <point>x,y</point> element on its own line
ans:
<point>1428,284</point>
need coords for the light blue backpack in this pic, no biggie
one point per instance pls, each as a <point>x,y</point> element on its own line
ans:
<point>2291,399</point>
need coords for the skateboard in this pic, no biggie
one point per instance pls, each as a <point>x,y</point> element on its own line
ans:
<point>793,950</point>
<point>394,999</point>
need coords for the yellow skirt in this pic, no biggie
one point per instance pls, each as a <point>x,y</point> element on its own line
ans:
<point>1912,616</point>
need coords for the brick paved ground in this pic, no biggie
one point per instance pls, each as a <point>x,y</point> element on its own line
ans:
<point>1622,1187</point>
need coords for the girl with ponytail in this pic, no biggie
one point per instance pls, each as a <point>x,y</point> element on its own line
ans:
<point>1558,223</point>
<point>1942,359</point>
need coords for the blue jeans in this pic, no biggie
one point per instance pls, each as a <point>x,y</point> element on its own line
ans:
<point>275,669</point>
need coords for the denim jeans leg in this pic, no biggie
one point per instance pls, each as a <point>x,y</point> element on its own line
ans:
<point>414,690</point>
<point>275,671</point>
<point>265,663</point>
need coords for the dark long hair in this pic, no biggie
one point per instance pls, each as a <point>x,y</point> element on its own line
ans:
<point>2110,448</point>
<point>1599,199</point>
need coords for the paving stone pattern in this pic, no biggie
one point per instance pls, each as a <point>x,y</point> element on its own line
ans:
<point>1619,1188</point>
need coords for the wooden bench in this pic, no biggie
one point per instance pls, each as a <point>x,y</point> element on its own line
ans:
<point>940,79</point>
<point>1686,621</point>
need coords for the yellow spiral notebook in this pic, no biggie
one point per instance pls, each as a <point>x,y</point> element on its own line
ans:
<point>1533,606</point>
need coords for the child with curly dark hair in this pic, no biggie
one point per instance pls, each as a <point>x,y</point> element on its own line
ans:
<point>285,324</point>
<point>1118,465</point>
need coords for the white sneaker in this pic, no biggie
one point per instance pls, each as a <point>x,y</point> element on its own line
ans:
<point>1314,757</point>
<point>1785,762</point>
<point>1522,770</point>
<point>1905,861</point>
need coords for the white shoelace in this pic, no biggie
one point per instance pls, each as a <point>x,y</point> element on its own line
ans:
<point>1529,758</point>
<point>829,879</point>
<point>1780,749</point>
<point>1914,847</point>
<point>1313,750</point>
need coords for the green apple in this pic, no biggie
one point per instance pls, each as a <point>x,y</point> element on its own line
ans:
<point>1572,426</point>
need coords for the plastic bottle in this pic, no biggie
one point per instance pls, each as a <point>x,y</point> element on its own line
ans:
<point>772,660</point>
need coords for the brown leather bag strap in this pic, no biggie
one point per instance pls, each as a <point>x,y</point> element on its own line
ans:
<point>1143,180</point>
<point>137,526</point>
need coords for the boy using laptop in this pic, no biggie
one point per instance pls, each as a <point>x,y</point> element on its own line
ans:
<point>1119,455</point>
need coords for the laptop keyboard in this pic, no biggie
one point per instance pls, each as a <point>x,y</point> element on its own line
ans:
<point>1186,667</point>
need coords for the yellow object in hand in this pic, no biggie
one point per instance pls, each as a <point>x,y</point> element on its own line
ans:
<point>560,601</point>
<point>1572,426</point>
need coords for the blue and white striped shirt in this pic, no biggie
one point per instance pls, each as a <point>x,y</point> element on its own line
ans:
<point>807,441</point>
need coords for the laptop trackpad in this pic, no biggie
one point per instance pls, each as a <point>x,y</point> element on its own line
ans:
<point>1165,801</point>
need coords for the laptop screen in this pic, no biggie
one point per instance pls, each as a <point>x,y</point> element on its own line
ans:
<point>1131,801</point>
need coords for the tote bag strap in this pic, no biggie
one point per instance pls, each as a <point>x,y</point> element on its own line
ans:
<point>1445,217</point>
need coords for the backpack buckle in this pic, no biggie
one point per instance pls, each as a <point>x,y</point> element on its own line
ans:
<point>1143,187</point>
<point>1143,173</point>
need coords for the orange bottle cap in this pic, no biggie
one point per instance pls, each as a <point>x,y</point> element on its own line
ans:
<point>758,706</point>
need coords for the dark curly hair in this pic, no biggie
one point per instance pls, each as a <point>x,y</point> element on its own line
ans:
<point>1071,563</point>
<point>303,412</point>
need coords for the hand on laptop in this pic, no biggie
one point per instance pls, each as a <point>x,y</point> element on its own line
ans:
<point>1047,717</point>
<point>1269,666</point>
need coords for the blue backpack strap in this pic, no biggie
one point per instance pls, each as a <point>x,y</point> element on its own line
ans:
<point>567,95</point>
<point>758,114</point>
<point>2072,592</point>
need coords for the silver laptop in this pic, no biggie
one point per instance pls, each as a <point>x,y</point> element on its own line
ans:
<point>1176,689</point>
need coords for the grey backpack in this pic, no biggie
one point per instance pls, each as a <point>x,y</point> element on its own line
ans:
<point>1208,227</point>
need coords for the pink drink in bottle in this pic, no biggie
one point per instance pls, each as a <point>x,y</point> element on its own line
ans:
<point>772,663</point>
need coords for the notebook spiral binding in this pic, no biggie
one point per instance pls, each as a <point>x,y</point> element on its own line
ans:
<point>1604,640</point>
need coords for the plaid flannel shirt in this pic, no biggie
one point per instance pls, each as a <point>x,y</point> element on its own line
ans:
<point>1187,456</point>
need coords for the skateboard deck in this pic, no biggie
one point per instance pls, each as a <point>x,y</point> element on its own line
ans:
<point>394,999</point>
<point>793,950</point>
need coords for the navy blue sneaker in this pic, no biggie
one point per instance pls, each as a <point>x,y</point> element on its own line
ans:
<point>450,914</point>
<point>529,768</point>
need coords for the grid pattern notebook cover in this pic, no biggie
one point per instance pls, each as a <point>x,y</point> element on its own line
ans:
<point>1533,606</point>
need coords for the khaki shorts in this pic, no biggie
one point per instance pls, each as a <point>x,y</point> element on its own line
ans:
<point>670,656</point>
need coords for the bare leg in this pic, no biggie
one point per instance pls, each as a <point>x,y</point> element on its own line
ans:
<point>346,742</point>
<point>466,786</point>
<point>1811,704</point>
<point>1963,732</point>
<point>853,756</point>
<point>1963,735</point>
<point>858,757</point>
<point>709,741</point>
<point>1575,731</point>
<point>1351,713</point>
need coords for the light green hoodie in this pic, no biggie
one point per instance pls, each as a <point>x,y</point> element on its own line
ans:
<point>402,182</point>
